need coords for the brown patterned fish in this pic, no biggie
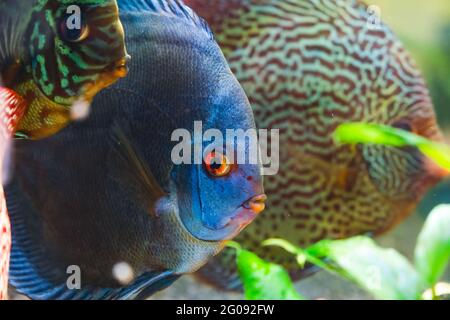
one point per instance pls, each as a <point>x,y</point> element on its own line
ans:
<point>308,66</point>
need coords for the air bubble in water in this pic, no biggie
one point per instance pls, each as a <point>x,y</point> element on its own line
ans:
<point>123,273</point>
<point>80,110</point>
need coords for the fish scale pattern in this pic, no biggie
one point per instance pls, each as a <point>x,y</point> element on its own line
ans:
<point>307,66</point>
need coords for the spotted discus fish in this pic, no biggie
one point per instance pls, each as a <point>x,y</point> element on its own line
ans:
<point>47,65</point>
<point>115,200</point>
<point>308,66</point>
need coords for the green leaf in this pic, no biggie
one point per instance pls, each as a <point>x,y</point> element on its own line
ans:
<point>263,280</point>
<point>312,254</point>
<point>383,272</point>
<point>438,152</point>
<point>432,251</point>
<point>370,133</point>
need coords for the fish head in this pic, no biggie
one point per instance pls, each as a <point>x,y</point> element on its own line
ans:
<point>220,191</point>
<point>75,49</point>
<point>403,175</point>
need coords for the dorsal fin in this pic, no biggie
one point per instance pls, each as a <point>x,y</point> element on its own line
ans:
<point>171,8</point>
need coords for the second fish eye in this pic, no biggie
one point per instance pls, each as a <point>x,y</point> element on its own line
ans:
<point>72,33</point>
<point>403,125</point>
<point>217,164</point>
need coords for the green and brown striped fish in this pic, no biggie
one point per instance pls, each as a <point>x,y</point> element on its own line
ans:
<point>308,66</point>
<point>51,61</point>
<point>53,55</point>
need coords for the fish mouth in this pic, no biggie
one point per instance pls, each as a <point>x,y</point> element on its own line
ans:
<point>110,74</point>
<point>119,68</point>
<point>232,225</point>
<point>246,213</point>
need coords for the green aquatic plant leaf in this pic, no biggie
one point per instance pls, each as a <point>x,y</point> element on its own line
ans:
<point>263,280</point>
<point>432,251</point>
<point>313,254</point>
<point>438,152</point>
<point>370,133</point>
<point>383,272</point>
<point>359,132</point>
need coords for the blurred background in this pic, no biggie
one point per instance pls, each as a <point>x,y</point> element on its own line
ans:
<point>424,28</point>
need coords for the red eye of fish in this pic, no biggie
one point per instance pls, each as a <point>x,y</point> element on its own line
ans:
<point>73,33</point>
<point>217,164</point>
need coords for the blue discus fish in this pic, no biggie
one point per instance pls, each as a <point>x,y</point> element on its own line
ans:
<point>115,197</point>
